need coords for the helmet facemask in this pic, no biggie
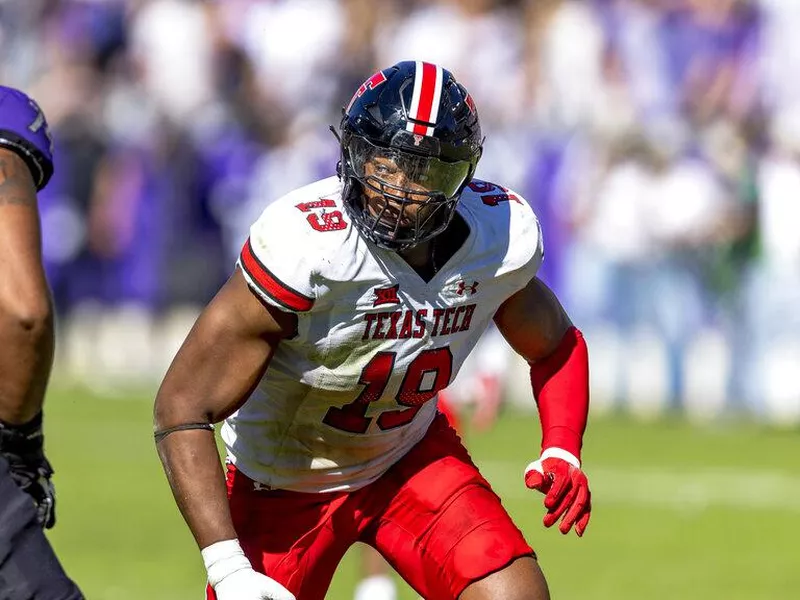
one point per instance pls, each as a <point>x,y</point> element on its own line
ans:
<point>401,198</point>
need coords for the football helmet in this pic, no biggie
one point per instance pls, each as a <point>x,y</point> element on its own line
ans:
<point>23,129</point>
<point>410,141</point>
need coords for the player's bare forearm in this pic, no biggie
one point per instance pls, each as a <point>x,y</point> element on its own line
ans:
<point>216,369</point>
<point>26,314</point>
<point>192,465</point>
<point>533,321</point>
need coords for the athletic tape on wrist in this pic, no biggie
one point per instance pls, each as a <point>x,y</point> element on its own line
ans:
<point>222,559</point>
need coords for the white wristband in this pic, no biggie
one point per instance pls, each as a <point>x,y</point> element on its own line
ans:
<point>222,559</point>
<point>562,454</point>
<point>553,452</point>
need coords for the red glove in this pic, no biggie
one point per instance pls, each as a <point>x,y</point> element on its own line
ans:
<point>558,475</point>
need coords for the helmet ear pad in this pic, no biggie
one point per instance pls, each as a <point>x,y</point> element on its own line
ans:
<point>418,114</point>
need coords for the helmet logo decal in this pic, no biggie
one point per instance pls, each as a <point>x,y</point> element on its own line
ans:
<point>425,101</point>
<point>417,139</point>
<point>369,84</point>
<point>471,104</point>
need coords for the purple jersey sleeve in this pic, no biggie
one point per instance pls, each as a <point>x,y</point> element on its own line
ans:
<point>24,130</point>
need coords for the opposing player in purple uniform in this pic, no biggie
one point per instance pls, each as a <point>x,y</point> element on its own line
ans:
<point>29,569</point>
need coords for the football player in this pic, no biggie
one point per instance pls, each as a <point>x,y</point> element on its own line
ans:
<point>356,300</point>
<point>29,570</point>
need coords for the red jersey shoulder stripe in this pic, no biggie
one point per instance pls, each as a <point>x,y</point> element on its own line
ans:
<point>271,285</point>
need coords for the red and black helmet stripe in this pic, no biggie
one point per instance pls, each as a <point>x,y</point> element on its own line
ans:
<point>271,285</point>
<point>427,95</point>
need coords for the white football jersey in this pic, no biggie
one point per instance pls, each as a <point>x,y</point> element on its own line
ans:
<point>356,388</point>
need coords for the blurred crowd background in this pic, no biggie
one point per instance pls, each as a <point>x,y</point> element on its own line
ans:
<point>657,140</point>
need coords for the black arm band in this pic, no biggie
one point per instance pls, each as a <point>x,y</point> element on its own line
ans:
<point>161,434</point>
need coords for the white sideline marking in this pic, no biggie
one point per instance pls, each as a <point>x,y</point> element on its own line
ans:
<point>673,489</point>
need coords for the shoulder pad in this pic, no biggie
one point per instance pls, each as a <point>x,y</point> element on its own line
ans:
<point>282,256</point>
<point>506,215</point>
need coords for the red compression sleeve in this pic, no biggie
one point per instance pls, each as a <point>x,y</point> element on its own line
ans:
<point>561,388</point>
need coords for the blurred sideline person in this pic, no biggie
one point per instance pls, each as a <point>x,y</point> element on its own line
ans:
<point>355,301</point>
<point>481,381</point>
<point>29,569</point>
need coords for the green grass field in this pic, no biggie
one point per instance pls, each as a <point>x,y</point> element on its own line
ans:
<point>679,512</point>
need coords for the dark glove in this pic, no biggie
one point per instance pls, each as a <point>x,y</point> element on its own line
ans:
<point>23,447</point>
<point>23,129</point>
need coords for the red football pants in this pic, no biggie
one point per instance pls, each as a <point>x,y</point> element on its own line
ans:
<point>432,516</point>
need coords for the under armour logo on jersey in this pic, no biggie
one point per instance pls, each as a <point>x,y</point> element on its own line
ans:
<point>387,295</point>
<point>469,289</point>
